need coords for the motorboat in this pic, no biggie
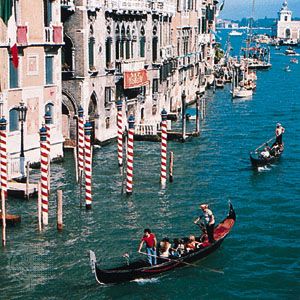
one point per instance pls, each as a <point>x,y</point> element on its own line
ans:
<point>290,51</point>
<point>235,33</point>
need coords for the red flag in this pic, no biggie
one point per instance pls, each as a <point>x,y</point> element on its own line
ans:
<point>12,35</point>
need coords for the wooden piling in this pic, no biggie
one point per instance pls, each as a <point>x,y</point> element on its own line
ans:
<point>76,164</point>
<point>197,115</point>
<point>39,205</point>
<point>183,97</point>
<point>27,181</point>
<point>3,218</point>
<point>171,166</point>
<point>59,210</point>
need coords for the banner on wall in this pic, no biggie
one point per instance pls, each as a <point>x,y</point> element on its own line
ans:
<point>135,79</point>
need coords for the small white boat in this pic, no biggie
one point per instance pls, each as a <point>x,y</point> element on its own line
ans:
<point>241,92</point>
<point>290,51</point>
<point>235,33</point>
<point>287,69</point>
<point>277,48</point>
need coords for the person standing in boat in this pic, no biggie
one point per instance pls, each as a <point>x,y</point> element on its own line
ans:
<point>209,221</point>
<point>150,240</point>
<point>279,132</point>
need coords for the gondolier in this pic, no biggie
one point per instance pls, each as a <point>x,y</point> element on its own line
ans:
<point>150,240</point>
<point>279,132</point>
<point>209,221</point>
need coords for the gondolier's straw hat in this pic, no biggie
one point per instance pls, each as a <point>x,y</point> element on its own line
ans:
<point>203,206</point>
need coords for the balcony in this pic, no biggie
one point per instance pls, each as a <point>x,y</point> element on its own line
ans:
<point>22,39</point>
<point>128,5</point>
<point>53,35</point>
<point>68,4</point>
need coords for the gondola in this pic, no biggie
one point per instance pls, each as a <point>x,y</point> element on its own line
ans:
<point>257,160</point>
<point>141,269</point>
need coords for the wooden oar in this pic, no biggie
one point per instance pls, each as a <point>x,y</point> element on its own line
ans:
<point>182,262</point>
<point>267,142</point>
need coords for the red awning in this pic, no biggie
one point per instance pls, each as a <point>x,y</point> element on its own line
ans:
<point>135,79</point>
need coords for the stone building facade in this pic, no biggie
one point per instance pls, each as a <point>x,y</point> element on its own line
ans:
<point>287,28</point>
<point>144,52</point>
<point>36,82</point>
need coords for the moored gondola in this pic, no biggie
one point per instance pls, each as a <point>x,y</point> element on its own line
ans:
<point>141,269</point>
<point>258,159</point>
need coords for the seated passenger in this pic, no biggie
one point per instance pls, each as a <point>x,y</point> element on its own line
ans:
<point>265,153</point>
<point>164,247</point>
<point>192,244</point>
<point>178,248</point>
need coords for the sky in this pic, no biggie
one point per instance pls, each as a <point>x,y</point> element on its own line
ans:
<point>237,9</point>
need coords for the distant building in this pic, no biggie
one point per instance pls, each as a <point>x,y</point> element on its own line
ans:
<point>227,24</point>
<point>286,27</point>
<point>33,82</point>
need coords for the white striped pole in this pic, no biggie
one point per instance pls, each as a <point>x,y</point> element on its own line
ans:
<point>88,165</point>
<point>44,174</point>
<point>80,142</point>
<point>164,137</point>
<point>3,155</point>
<point>120,132</point>
<point>129,181</point>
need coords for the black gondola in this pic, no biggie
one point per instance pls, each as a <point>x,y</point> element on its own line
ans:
<point>141,269</point>
<point>258,160</point>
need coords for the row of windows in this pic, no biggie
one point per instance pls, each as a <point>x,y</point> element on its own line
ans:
<point>14,72</point>
<point>14,117</point>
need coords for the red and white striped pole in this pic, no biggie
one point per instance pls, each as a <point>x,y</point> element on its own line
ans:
<point>44,174</point>
<point>129,181</point>
<point>80,142</point>
<point>3,155</point>
<point>48,121</point>
<point>120,132</point>
<point>164,137</point>
<point>88,165</point>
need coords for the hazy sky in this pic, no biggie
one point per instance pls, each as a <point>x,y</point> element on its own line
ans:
<point>237,9</point>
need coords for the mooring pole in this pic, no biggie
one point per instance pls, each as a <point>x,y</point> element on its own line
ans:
<point>39,205</point>
<point>164,143</point>
<point>59,210</point>
<point>129,173</point>
<point>120,131</point>
<point>27,181</point>
<point>183,98</point>
<point>44,174</point>
<point>3,155</point>
<point>80,144</point>
<point>48,121</point>
<point>88,165</point>
<point>3,218</point>
<point>197,113</point>
<point>171,166</point>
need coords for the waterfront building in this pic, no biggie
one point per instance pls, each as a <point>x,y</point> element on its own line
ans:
<point>287,28</point>
<point>144,52</point>
<point>30,59</point>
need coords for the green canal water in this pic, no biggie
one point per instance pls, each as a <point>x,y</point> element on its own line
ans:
<point>260,257</point>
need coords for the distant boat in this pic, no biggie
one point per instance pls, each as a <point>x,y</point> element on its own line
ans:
<point>235,33</point>
<point>241,92</point>
<point>277,48</point>
<point>287,69</point>
<point>290,51</point>
<point>294,60</point>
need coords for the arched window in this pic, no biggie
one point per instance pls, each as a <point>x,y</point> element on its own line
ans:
<point>49,108</point>
<point>142,42</point>
<point>287,33</point>
<point>13,120</point>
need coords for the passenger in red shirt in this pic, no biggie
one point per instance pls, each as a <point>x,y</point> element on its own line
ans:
<point>150,240</point>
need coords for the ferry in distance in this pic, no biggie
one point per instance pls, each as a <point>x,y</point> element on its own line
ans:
<point>235,33</point>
